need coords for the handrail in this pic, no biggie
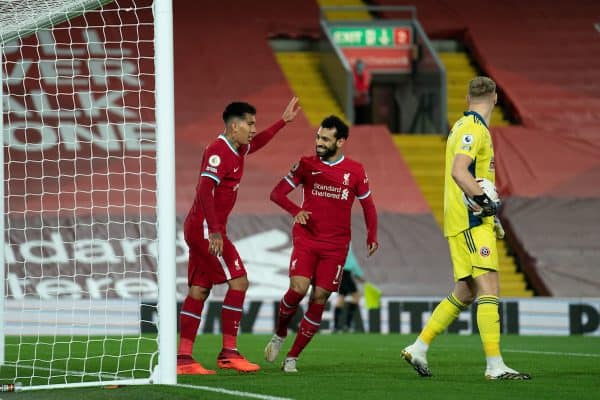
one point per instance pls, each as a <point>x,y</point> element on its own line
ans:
<point>348,102</point>
<point>442,68</point>
<point>344,90</point>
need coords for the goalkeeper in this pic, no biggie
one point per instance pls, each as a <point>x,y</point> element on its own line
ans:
<point>471,236</point>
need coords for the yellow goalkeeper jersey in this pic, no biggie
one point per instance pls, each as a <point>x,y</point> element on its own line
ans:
<point>471,136</point>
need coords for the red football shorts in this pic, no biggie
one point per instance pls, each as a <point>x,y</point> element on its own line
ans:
<point>206,270</point>
<point>323,266</point>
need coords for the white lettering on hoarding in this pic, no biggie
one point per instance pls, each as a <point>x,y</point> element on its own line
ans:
<point>51,251</point>
<point>95,287</point>
<point>94,252</point>
<point>16,285</point>
<point>265,254</point>
<point>130,288</point>
<point>57,251</point>
<point>35,137</point>
<point>76,92</point>
<point>81,41</point>
<point>49,289</point>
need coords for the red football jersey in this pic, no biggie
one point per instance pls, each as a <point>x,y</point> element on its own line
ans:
<point>225,165</point>
<point>329,190</point>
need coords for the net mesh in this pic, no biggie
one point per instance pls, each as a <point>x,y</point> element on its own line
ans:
<point>80,190</point>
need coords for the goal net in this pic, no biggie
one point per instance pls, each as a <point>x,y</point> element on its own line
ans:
<point>80,249</point>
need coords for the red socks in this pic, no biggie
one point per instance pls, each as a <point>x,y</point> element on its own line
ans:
<point>308,327</point>
<point>287,309</point>
<point>231,314</point>
<point>189,320</point>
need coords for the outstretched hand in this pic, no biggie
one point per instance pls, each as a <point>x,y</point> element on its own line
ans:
<point>372,248</point>
<point>291,110</point>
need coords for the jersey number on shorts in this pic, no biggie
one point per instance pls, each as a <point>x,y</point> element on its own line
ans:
<point>336,280</point>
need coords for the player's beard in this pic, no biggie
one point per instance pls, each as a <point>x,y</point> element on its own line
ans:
<point>326,152</point>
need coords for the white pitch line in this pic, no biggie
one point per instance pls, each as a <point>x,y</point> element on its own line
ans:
<point>205,388</point>
<point>552,353</point>
<point>234,392</point>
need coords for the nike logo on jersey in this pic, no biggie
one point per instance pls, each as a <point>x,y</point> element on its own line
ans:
<point>317,172</point>
<point>236,169</point>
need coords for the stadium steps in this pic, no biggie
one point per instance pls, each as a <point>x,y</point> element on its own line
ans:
<point>344,15</point>
<point>303,73</point>
<point>425,156</point>
<point>459,71</point>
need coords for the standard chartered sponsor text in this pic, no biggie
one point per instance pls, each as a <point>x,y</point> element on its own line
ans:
<point>328,191</point>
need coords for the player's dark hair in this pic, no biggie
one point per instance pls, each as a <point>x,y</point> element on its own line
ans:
<point>237,109</point>
<point>341,129</point>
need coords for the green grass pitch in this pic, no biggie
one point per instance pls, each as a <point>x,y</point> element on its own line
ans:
<point>368,366</point>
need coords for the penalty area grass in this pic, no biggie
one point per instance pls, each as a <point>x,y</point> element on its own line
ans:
<point>368,366</point>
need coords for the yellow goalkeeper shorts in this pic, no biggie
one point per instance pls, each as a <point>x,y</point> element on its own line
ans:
<point>474,251</point>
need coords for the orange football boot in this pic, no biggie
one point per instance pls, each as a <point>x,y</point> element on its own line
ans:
<point>232,359</point>
<point>186,365</point>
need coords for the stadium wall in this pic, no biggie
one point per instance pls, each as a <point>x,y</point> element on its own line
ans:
<point>413,259</point>
<point>110,258</point>
<point>548,167</point>
<point>396,315</point>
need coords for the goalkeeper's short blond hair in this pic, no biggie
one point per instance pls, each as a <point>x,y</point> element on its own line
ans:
<point>481,86</point>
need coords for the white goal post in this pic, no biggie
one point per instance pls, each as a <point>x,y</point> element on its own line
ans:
<point>88,196</point>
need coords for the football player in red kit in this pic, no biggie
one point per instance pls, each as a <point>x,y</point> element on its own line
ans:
<point>213,258</point>
<point>321,232</point>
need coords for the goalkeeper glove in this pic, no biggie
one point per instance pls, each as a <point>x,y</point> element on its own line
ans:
<point>498,228</point>
<point>488,206</point>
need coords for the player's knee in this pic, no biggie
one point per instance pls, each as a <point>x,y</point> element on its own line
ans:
<point>198,292</point>
<point>300,285</point>
<point>300,289</point>
<point>320,295</point>
<point>241,284</point>
<point>466,299</point>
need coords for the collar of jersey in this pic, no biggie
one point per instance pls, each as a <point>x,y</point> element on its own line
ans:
<point>331,163</point>
<point>477,116</point>
<point>224,138</point>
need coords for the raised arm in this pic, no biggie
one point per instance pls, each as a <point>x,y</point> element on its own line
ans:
<point>264,137</point>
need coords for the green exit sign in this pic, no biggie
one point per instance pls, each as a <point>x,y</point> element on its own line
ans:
<point>371,36</point>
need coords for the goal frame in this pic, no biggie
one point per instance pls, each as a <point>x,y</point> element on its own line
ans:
<point>165,371</point>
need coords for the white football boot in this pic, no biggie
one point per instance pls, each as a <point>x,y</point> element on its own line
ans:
<point>418,360</point>
<point>289,365</point>
<point>273,347</point>
<point>505,373</point>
